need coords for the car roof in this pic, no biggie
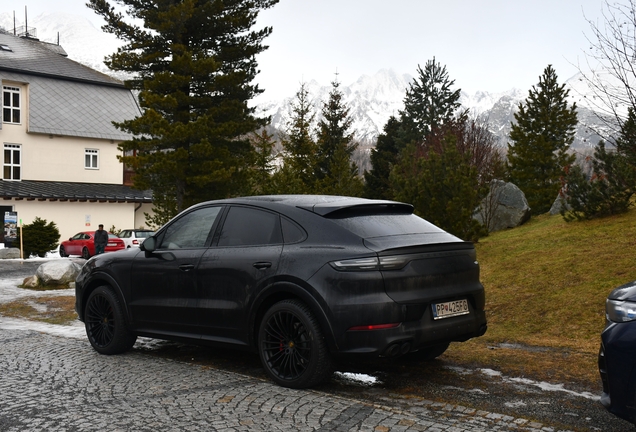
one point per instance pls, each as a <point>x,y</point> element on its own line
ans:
<point>320,204</point>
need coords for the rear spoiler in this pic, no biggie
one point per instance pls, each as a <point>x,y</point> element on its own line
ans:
<point>335,208</point>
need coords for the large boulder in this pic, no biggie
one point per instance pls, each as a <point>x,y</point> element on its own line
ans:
<point>58,272</point>
<point>9,253</point>
<point>504,207</point>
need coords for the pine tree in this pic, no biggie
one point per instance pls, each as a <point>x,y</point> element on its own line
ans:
<point>540,140</point>
<point>383,157</point>
<point>38,238</point>
<point>626,142</point>
<point>442,186</point>
<point>297,175</point>
<point>263,165</point>
<point>193,63</point>
<point>429,102</point>
<point>335,171</point>
<point>612,184</point>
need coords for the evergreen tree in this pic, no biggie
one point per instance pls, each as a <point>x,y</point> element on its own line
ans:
<point>612,183</point>
<point>626,142</point>
<point>540,140</point>
<point>429,102</point>
<point>607,192</point>
<point>264,163</point>
<point>335,171</point>
<point>383,157</point>
<point>442,186</point>
<point>193,63</point>
<point>38,238</point>
<point>297,175</point>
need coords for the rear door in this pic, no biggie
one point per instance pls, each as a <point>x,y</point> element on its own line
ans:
<point>245,257</point>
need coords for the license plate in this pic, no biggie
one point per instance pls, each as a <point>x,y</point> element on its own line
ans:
<point>112,244</point>
<point>450,309</point>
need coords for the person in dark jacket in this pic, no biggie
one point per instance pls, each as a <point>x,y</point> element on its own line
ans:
<point>100,239</point>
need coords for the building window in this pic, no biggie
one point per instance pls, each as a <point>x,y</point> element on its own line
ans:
<point>11,162</point>
<point>91,159</point>
<point>11,104</point>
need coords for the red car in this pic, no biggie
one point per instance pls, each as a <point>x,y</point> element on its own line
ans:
<point>83,244</point>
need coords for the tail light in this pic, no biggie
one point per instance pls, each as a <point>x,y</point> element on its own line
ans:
<point>394,262</point>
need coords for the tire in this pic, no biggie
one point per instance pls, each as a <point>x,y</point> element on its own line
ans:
<point>105,323</point>
<point>291,346</point>
<point>63,253</point>
<point>85,253</point>
<point>427,354</point>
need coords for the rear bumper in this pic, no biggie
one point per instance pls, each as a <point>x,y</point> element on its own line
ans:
<point>412,336</point>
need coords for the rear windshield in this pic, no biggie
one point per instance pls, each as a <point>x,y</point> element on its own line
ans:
<point>143,234</point>
<point>381,225</point>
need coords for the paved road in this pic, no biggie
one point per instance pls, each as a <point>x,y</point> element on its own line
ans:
<point>58,383</point>
<point>51,383</point>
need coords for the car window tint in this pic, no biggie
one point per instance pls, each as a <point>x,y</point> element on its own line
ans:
<point>190,230</point>
<point>143,234</point>
<point>250,227</point>
<point>292,233</point>
<point>380,225</point>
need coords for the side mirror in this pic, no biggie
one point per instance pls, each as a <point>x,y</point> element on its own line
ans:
<point>149,245</point>
<point>70,239</point>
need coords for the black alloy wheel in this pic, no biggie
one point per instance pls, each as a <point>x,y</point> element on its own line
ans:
<point>291,346</point>
<point>63,253</point>
<point>105,325</point>
<point>85,253</point>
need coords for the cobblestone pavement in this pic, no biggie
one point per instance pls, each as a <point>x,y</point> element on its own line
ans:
<point>51,383</point>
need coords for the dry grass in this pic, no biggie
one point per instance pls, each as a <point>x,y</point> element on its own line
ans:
<point>52,310</point>
<point>546,284</point>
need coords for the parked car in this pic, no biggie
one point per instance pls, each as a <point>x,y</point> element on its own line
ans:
<point>302,280</point>
<point>617,356</point>
<point>83,244</point>
<point>134,237</point>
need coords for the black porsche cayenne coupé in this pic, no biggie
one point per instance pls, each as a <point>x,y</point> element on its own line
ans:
<point>300,279</point>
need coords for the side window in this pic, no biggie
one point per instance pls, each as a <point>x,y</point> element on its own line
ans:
<point>246,226</point>
<point>292,233</point>
<point>91,159</point>
<point>11,104</point>
<point>190,230</point>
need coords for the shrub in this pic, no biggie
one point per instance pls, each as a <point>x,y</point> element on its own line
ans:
<point>39,238</point>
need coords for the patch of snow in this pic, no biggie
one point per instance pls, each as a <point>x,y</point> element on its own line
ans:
<point>358,378</point>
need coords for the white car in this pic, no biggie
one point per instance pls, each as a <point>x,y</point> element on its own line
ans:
<point>134,237</point>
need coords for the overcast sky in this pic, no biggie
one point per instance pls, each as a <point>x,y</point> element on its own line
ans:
<point>489,45</point>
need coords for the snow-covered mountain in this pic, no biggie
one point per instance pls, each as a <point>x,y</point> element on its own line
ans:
<point>371,99</point>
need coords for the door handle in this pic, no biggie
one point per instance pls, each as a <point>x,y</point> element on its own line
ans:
<point>186,267</point>
<point>262,265</point>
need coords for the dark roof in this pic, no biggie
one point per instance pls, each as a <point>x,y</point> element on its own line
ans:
<point>37,58</point>
<point>66,191</point>
<point>66,98</point>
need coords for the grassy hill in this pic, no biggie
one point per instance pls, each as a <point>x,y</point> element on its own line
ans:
<point>546,284</point>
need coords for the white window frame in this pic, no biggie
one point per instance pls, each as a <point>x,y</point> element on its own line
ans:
<point>12,108</point>
<point>9,165</point>
<point>91,159</point>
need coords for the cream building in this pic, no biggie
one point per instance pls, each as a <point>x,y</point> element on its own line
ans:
<point>59,144</point>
